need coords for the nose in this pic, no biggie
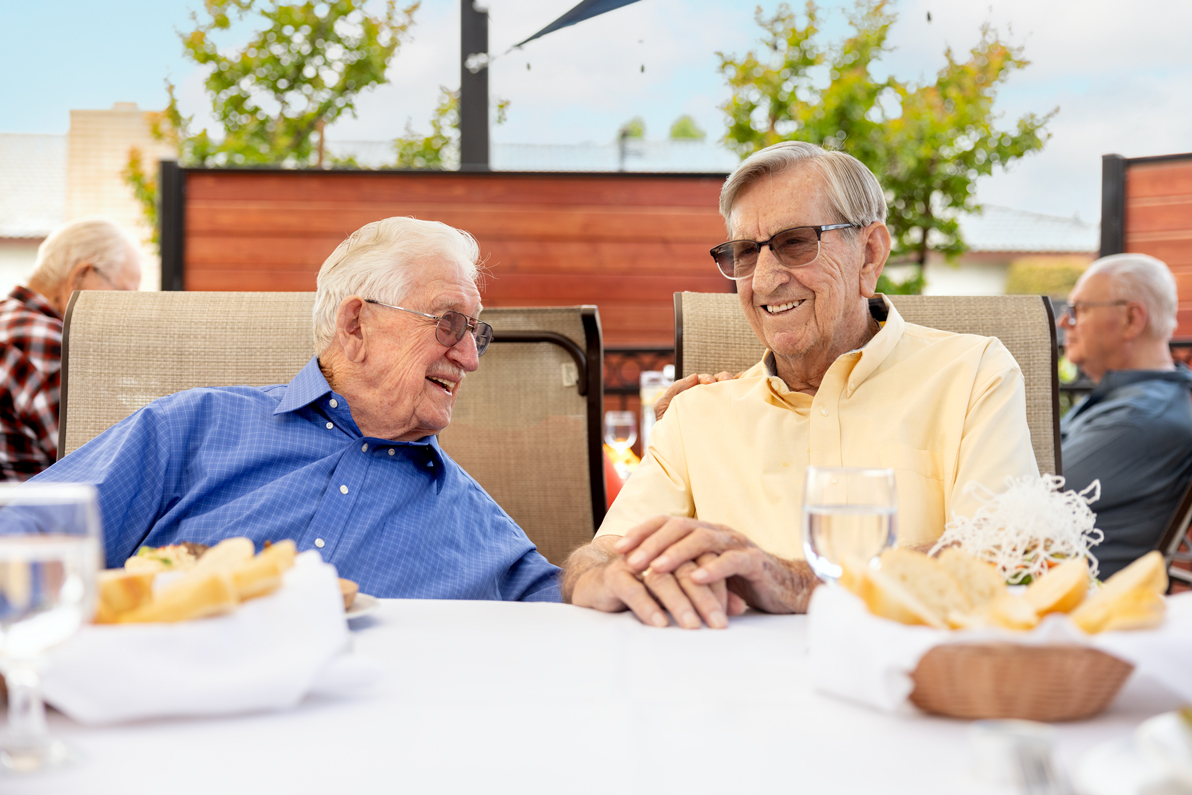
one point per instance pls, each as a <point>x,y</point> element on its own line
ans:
<point>1065,319</point>
<point>463,353</point>
<point>769,273</point>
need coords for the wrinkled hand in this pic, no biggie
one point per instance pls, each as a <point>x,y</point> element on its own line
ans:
<point>682,385</point>
<point>668,544</point>
<point>613,586</point>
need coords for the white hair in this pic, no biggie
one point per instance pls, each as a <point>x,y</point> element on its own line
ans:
<point>97,241</point>
<point>1142,278</point>
<point>853,191</point>
<point>381,261</point>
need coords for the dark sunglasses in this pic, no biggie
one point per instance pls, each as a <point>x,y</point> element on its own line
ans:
<point>450,327</point>
<point>794,248</point>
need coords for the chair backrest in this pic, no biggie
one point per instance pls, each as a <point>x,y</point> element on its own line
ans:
<point>527,425</point>
<point>712,335</point>
<point>1176,543</point>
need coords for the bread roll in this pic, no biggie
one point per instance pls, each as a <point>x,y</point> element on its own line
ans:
<point>197,594</point>
<point>1061,589</point>
<point>121,591</point>
<point>980,581</point>
<point>926,579</point>
<point>227,554</point>
<point>1130,599</point>
<point>261,575</point>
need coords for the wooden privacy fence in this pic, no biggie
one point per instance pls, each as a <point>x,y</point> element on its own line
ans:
<point>1146,208</point>
<point>625,242</point>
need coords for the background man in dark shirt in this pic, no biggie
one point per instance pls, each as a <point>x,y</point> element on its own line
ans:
<point>1134,430</point>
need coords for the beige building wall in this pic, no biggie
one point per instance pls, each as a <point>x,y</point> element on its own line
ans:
<point>97,154</point>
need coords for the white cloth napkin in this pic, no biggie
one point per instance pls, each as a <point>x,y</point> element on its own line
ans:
<point>857,656</point>
<point>267,654</point>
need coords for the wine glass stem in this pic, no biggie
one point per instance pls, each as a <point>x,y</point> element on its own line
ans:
<point>26,710</point>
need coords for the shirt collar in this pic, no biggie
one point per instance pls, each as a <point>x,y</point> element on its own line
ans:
<point>310,386</point>
<point>872,353</point>
<point>34,301</point>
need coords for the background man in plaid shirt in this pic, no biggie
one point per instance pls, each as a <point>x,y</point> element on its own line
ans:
<point>88,254</point>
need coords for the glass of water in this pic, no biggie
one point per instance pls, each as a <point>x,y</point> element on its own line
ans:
<point>620,429</point>
<point>848,514</point>
<point>49,560</point>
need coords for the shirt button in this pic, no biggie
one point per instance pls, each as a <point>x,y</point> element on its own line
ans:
<point>320,543</point>
<point>343,489</point>
<point>334,403</point>
<point>851,387</point>
<point>364,448</point>
<point>330,425</point>
<point>390,451</point>
<point>824,412</point>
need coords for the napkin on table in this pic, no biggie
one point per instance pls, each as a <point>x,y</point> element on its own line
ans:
<point>860,657</point>
<point>267,654</point>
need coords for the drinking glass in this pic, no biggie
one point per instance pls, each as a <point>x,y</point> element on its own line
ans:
<point>49,559</point>
<point>620,429</point>
<point>848,514</point>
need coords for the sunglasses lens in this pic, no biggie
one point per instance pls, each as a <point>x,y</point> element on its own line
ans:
<point>796,247</point>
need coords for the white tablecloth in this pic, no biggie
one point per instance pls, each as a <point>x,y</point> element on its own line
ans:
<point>487,697</point>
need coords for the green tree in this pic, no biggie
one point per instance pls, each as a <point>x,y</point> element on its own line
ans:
<point>440,149</point>
<point>634,128</point>
<point>685,129</point>
<point>927,144</point>
<point>303,68</point>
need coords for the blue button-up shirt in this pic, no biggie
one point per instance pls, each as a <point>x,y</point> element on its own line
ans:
<point>288,461</point>
<point>1134,433</point>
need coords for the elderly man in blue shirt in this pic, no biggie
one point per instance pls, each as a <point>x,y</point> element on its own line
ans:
<point>344,459</point>
<point>1134,430</point>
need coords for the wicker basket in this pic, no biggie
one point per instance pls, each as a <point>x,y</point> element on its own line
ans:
<point>1002,680</point>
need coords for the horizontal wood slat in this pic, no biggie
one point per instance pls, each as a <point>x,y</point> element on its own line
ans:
<point>1168,216</point>
<point>1164,178</point>
<point>626,243</point>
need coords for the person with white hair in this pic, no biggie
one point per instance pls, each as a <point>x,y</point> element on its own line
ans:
<point>1133,432</point>
<point>344,459</point>
<point>709,522</point>
<point>88,254</point>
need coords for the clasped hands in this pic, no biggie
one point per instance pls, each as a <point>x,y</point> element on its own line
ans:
<point>690,569</point>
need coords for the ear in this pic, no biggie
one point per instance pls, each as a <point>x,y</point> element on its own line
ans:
<point>349,331</point>
<point>1136,318</point>
<point>875,250</point>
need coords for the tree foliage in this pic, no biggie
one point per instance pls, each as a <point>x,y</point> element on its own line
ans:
<point>634,128</point>
<point>928,144</point>
<point>685,129</point>
<point>307,64</point>
<point>440,149</point>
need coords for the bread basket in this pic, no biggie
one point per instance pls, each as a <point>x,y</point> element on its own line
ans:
<point>1004,680</point>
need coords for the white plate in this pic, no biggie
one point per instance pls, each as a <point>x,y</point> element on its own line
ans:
<point>363,605</point>
<point>1167,739</point>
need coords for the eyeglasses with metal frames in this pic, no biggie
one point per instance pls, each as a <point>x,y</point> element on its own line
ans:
<point>794,248</point>
<point>451,325</point>
<point>1076,307</point>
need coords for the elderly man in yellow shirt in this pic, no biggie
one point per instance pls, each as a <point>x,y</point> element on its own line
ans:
<point>710,521</point>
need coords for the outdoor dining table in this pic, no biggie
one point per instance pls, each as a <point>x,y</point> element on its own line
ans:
<point>535,698</point>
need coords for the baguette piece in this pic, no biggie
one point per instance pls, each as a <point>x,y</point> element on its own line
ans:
<point>121,591</point>
<point>926,579</point>
<point>197,594</point>
<point>227,554</point>
<point>979,580</point>
<point>1061,589</point>
<point>261,575</point>
<point>1125,600</point>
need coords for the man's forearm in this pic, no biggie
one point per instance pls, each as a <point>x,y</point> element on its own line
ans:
<point>583,560</point>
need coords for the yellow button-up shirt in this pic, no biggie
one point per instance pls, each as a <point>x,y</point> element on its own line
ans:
<point>940,409</point>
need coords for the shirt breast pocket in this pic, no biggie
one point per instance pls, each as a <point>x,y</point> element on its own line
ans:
<point>919,480</point>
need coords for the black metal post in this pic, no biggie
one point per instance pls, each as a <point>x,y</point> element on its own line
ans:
<point>473,88</point>
<point>171,215</point>
<point>1113,204</point>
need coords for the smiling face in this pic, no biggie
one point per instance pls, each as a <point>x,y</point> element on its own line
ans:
<point>415,378</point>
<point>810,315</point>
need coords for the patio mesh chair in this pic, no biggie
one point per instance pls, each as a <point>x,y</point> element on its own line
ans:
<point>712,335</point>
<point>526,425</point>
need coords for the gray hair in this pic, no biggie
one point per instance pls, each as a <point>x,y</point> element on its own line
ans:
<point>1142,278</point>
<point>381,261</point>
<point>94,240</point>
<point>853,191</point>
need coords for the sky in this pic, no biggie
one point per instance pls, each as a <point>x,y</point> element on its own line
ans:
<point>1120,74</point>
